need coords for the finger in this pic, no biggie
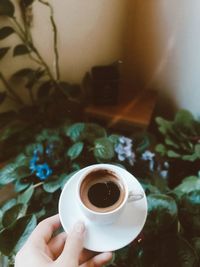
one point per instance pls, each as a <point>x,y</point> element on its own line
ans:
<point>73,246</point>
<point>45,229</point>
<point>56,244</point>
<point>98,260</point>
<point>86,255</point>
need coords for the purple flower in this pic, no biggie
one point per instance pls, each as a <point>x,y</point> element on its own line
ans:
<point>149,156</point>
<point>124,150</point>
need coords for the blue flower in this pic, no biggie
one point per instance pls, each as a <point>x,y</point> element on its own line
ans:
<point>43,171</point>
<point>124,150</point>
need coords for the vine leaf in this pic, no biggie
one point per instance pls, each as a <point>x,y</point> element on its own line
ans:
<point>7,8</point>
<point>5,32</point>
<point>3,51</point>
<point>20,50</point>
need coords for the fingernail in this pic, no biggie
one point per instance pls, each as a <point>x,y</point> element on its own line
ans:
<point>79,227</point>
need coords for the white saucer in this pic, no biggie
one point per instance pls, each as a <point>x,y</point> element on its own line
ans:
<point>104,237</point>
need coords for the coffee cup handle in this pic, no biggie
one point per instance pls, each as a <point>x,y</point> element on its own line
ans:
<point>135,197</point>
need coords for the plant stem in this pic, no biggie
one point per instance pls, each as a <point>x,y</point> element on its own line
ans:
<point>10,90</point>
<point>55,40</point>
<point>21,33</point>
<point>37,185</point>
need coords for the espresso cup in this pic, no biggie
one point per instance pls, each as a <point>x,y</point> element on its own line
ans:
<point>102,193</point>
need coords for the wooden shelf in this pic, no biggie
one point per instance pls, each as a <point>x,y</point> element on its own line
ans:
<point>132,111</point>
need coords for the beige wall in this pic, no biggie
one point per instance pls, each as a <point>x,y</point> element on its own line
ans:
<point>90,33</point>
<point>163,50</point>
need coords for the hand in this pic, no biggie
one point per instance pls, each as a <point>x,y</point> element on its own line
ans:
<point>44,250</point>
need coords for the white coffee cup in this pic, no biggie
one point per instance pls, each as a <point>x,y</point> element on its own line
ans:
<point>107,217</point>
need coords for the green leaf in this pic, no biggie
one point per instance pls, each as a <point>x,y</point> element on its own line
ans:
<point>8,174</point>
<point>162,215</point>
<point>75,150</point>
<point>160,148</point>
<point>189,213</point>
<point>3,51</point>
<point>22,172</point>
<point>149,189</point>
<point>93,131</point>
<point>2,97</point>
<point>75,131</point>
<point>25,197</point>
<point>191,158</point>
<point>20,49</point>
<point>173,154</point>
<point>103,149</point>
<point>13,237</point>
<point>5,32</point>
<point>114,138</point>
<point>188,185</point>
<point>52,185</point>
<point>8,204</point>
<point>184,118</point>
<point>21,186</point>
<point>6,8</point>
<point>22,160</point>
<point>164,126</point>
<point>170,142</point>
<point>14,213</point>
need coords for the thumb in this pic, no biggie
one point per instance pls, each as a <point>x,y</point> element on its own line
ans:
<point>73,246</point>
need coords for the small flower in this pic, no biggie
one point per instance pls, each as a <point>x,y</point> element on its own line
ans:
<point>43,171</point>
<point>124,150</point>
<point>149,156</point>
<point>164,174</point>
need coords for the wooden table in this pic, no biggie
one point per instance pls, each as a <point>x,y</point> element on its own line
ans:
<point>131,112</point>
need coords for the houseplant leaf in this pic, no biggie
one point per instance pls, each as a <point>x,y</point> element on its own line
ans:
<point>75,131</point>
<point>5,32</point>
<point>25,196</point>
<point>12,214</point>
<point>75,150</point>
<point>13,237</point>
<point>3,51</point>
<point>20,49</point>
<point>162,215</point>
<point>189,212</point>
<point>188,185</point>
<point>6,8</point>
<point>103,149</point>
<point>8,174</point>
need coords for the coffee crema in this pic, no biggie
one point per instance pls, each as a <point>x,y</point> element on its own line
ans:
<point>102,190</point>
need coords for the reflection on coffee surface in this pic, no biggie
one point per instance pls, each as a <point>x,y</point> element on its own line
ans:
<point>104,194</point>
<point>102,190</point>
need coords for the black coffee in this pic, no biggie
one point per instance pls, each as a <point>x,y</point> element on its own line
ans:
<point>103,195</point>
<point>102,190</point>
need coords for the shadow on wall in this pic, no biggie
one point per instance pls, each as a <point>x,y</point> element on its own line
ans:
<point>151,50</point>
